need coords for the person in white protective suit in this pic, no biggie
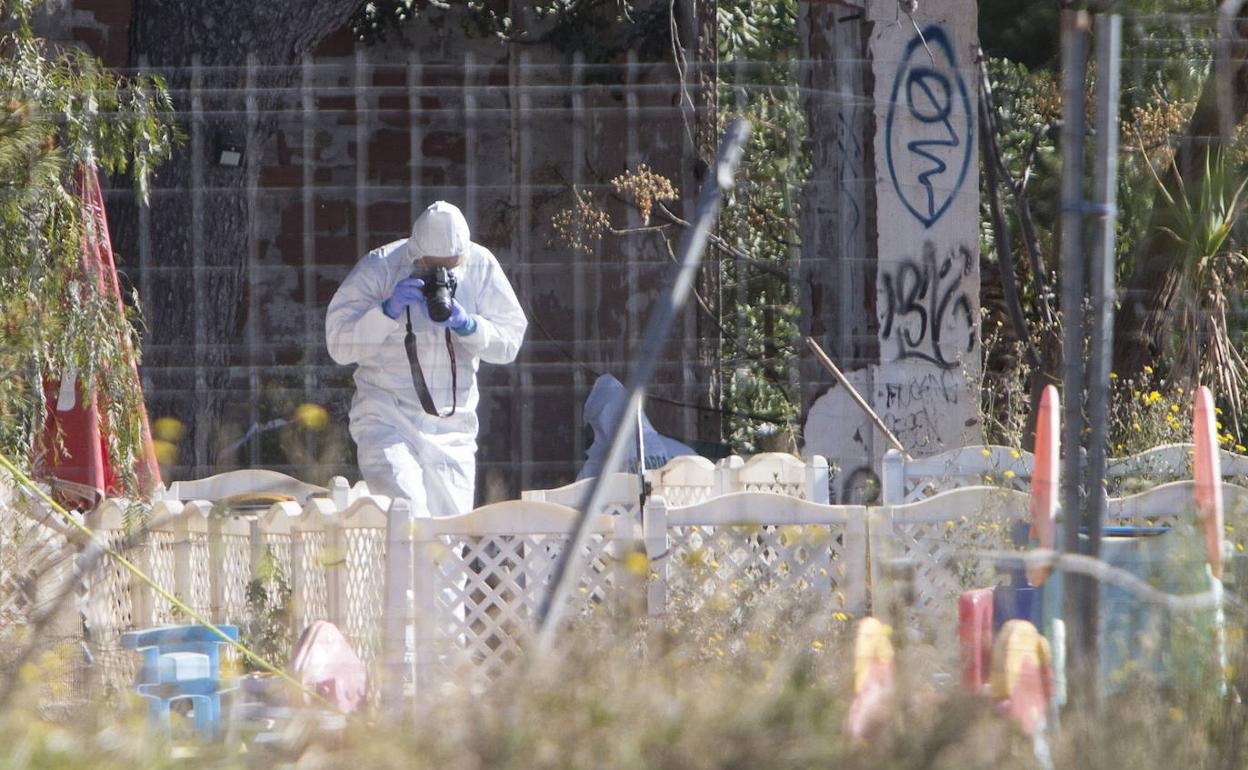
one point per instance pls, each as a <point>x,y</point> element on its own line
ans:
<point>606,401</point>
<point>403,449</point>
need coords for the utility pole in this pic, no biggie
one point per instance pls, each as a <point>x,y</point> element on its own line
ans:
<point>1077,589</point>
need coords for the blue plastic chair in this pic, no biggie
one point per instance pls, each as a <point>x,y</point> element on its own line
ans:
<point>182,663</point>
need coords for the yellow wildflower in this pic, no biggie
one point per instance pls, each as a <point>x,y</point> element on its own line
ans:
<point>985,452</point>
<point>816,644</point>
<point>637,563</point>
<point>1009,474</point>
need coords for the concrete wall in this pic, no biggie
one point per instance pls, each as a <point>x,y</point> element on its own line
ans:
<point>922,216</point>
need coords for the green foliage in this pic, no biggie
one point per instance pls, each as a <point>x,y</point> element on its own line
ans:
<point>759,346</point>
<point>1213,273</point>
<point>600,29</point>
<point>62,110</point>
<point>266,630</point>
<point>756,32</point>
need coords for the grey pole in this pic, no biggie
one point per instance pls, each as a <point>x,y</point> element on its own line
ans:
<point>1105,210</point>
<point>689,256</point>
<point>1075,28</point>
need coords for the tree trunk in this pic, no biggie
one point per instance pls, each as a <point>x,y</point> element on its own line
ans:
<point>1147,300</point>
<point>195,309</point>
<point>705,54</point>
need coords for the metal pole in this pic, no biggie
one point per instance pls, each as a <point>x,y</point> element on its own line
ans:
<point>641,459</point>
<point>1105,200</point>
<point>689,256</point>
<point>1075,28</point>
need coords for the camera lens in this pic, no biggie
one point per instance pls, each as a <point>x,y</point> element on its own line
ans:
<point>439,289</point>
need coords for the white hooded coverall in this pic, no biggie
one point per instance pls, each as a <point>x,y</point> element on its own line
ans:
<point>402,450</point>
<point>602,411</point>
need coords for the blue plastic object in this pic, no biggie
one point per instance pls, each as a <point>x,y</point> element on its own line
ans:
<point>182,663</point>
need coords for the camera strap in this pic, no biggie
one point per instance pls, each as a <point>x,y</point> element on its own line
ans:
<point>418,375</point>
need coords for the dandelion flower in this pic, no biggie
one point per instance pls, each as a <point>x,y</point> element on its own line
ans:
<point>985,452</point>
<point>1009,474</point>
<point>816,644</point>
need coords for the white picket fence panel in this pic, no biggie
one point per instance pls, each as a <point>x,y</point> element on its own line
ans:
<point>1167,463</point>
<point>205,554</point>
<point>689,479</point>
<point>939,536</point>
<point>911,480</point>
<point>480,577</point>
<point>240,482</point>
<point>743,546</point>
<point>430,600</point>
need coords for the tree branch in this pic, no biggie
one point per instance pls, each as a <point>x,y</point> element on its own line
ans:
<point>1000,228</point>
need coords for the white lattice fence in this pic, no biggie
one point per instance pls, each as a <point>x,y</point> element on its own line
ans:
<point>206,554</point>
<point>37,562</point>
<point>745,547</point>
<point>623,495</point>
<point>356,576</point>
<point>940,537</point>
<point>912,480</point>
<point>110,606</point>
<point>690,479</point>
<point>779,473</point>
<point>480,577</point>
<point>686,480</point>
<point>1164,464</point>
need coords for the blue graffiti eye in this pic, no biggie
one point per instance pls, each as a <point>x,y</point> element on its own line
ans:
<point>930,126</point>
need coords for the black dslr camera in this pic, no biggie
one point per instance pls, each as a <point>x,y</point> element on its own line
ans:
<point>439,290</point>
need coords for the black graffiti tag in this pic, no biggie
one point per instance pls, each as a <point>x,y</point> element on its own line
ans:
<point>921,297</point>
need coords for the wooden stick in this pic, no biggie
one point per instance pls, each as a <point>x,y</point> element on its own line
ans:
<point>853,393</point>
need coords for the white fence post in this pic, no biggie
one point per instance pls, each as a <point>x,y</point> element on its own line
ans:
<point>424,590</point>
<point>216,575</point>
<point>727,471</point>
<point>335,565</point>
<point>142,598</point>
<point>624,541</point>
<point>340,493</point>
<point>893,478</point>
<point>817,479</point>
<point>190,529</point>
<point>654,527</point>
<point>856,562</point>
<point>397,617</point>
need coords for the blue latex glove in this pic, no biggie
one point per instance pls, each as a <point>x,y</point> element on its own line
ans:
<point>407,292</point>
<point>459,320</point>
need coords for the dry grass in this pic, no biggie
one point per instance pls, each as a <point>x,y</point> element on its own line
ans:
<point>768,691</point>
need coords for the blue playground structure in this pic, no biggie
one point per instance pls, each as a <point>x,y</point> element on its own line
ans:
<point>182,663</point>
